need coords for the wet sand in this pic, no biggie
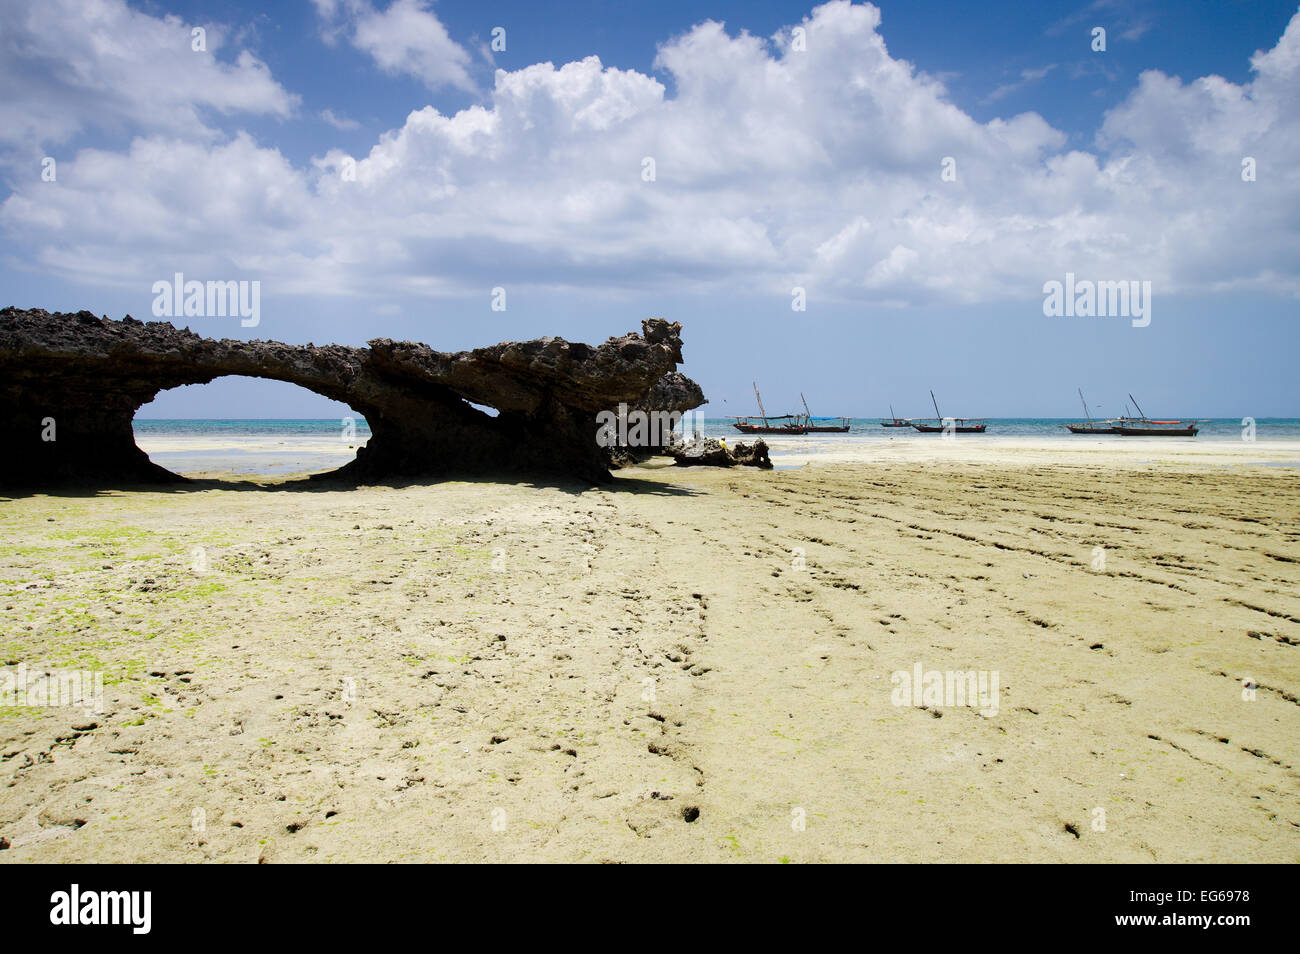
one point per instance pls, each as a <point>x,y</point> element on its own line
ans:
<point>689,664</point>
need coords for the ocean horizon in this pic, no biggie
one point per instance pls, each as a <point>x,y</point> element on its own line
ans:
<point>284,446</point>
<point>1221,428</point>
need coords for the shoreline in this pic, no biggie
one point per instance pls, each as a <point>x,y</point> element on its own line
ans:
<point>287,457</point>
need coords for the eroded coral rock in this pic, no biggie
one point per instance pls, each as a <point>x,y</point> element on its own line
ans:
<point>710,452</point>
<point>752,455</point>
<point>87,376</point>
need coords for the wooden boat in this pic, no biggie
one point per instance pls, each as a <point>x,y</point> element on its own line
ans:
<point>1091,427</point>
<point>841,425</point>
<point>746,426</point>
<point>950,425</point>
<point>894,420</point>
<point>797,425</point>
<point>1148,428</point>
<point>1145,427</point>
<point>960,425</point>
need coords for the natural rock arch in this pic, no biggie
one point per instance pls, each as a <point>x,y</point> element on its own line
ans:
<point>88,375</point>
<point>194,428</point>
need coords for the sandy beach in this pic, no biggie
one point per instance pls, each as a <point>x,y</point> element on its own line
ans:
<point>684,665</point>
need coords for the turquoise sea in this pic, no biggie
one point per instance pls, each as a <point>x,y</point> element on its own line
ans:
<point>333,428</point>
<point>262,427</point>
<point>277,447</point>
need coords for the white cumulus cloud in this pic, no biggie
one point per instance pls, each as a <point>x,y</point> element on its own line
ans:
<point>773,167</point>
<point>404,38</point>
<point>71,65</point>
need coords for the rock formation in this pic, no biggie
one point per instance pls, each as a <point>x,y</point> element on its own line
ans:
<point>710,452</point>
<point>673,393</point>
<point>752,455</point>
<point>80,379</point>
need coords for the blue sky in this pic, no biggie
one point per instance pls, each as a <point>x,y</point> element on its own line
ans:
<point>780,163</point>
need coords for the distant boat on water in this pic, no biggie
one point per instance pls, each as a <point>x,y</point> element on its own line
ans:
<point>1091,426</point>
<point>1145,427</point>
<point>1148,428</point>
<point>794,424</point>
<point>841,425</point>
<point>895,420</point>
<point>951,425</point>
<point>790,423</point>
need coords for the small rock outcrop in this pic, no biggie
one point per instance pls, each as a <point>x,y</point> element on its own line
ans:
<point>752,455</point>
<point>709,452</point>
<point>70,385</point>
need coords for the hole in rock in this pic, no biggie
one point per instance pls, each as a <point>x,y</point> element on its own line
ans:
<point>248,427</point>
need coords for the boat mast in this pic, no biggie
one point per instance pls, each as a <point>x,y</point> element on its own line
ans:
<point>1139,407</point>
<point>807,414</point>
<point>892,415</point>
<point>936,407</point>
<point>762,413</point>
<point>1085,406</point>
